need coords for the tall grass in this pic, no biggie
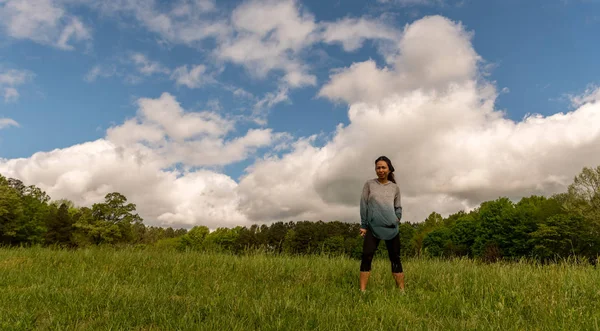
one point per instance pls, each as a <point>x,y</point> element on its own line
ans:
<point>127,289</point>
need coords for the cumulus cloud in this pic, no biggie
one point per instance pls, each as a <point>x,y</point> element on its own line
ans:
<point>434,53</point>
<point>451,153</point>
<point>100,71</point>
<point>434,116</point>
<point>184,22</point>
<point>6,122</point>
<point>352,32</point>
<point>424,3</point>
<point>407,3</point>
<point>272,98</point>
<point>432,112</point>
<point>138,158</point>
<point>262,36</point>
<point>590,95</point>
<point>191,138</point>
<point>14,77</point>
<point>147,67</point>
<point>10,79</point>
<point>42,21</point>
<point>269,35</point>
<point>194,77</point>
<point>11,94</point>
<point>273,35</point>
<point>85,173</point>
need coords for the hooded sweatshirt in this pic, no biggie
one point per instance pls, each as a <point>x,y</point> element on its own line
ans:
<point>380,208</point>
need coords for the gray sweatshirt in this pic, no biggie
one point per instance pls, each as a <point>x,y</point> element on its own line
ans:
<point>380,208</point>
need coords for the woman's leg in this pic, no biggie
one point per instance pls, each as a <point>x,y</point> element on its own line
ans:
<point>393,247</point>
<point>370,244</point>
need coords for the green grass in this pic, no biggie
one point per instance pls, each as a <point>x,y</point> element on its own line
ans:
<point>126,289</point>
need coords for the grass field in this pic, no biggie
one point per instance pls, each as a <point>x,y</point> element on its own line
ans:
<point>126,289</point>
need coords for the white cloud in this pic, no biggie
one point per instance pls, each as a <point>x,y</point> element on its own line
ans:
<point>166,117</point>
<point>134,159</point>
<point>262,106</point>
<point>147,67</point>
<point>100,71</point>
<point>434,54</point>
<point>270,35</point>
<point>590,95</point>
<point>274,36</point>
<point>430,110</point>
<point>194,77</point>
<point>272,98</point>
<point>14,77</point>
<point>85,173</point>
<point>241,93</point>
<point>191,138</point>
<point>262,36</point>
<point>436,120</point>
<point>408,3</point>
<point>10,79</point>
<point>42,21</point>
<point>11,94</point>
<point>352,32</point>
<point>186,22</point>
<point>6,122</point>
<point>450,152</point>
<point>193,7</point>
<point>75,30</point>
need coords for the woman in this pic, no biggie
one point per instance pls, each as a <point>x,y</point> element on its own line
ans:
<point>380,213</point>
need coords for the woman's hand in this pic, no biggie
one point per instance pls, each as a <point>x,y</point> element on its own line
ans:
<point>363,232</point>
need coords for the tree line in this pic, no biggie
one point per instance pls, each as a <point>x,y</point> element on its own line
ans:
<point>537,227</point>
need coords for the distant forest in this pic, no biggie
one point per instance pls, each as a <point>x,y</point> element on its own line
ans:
<point>541,228</point>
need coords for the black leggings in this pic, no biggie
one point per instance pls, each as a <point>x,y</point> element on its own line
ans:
<point>370,244</point>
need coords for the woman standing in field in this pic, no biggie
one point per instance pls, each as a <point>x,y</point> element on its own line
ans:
<point>380,213</point>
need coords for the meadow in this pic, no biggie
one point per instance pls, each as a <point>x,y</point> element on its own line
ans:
<point>129,289</point>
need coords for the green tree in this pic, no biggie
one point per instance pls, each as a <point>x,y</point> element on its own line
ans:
<point>85,230</point>
<point>582,203</point>
<point>70,205</point>
<point>558,236</point>
<point>334,245</point>
<point>26,223</point>
<point>116,217</point>
<point>247,238</point>
<point>194,239</point>
<point>583,199</point>
<point>494,233</point>
<point>180,232</point>
<point>289,242</point>
<point>584,194</point>
<point>276,235</point>
<point>438,242</point>
<point>407,232</point>
<point>433,221</point>
<point>222,239</point>
<point>169,232</point>
<point>11,213</point>
<point>59,226</point>
<point>464,234</point>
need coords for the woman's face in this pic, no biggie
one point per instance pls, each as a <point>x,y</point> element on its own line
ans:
<point>382,170</point>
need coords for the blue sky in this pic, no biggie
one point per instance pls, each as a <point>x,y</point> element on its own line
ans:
<point>537,54</point>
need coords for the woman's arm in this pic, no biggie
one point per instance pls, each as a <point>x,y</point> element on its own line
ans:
<point>364,198</point>
<point>398,203</point>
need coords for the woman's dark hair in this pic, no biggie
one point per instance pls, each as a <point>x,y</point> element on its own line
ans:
<point>391,177</point>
